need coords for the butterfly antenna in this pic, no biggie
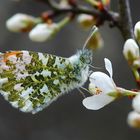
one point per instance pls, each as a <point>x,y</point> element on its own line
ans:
<point>99,68</point>
<point>92,32</point>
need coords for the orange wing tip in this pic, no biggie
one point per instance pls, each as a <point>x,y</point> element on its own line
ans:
<point>8,54</point>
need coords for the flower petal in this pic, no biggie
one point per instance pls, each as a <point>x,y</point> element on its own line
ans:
<point>19,22</point>
<point>136,103</point>
<point>108,66</point>
<point>96,102</point>
<point>42,32</point>
<point>103,82</point>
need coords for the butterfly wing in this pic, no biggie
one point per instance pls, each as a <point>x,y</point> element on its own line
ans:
<point>30,81</point>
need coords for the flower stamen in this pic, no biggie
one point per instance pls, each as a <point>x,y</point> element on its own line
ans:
<point>97,91</point>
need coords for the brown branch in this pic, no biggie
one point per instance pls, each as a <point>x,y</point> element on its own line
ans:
<point>126,28</point>
<point>103,15</point>
<point>125,21</point>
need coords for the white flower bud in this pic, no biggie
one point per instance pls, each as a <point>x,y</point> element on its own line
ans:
<point>43,32</point>
<point>96,42</point>
<point>136,103</point>
<point>20,22</point>
<point>64,4</point>
<point>86,21</point>
<point>137,31</point>
<point>133,119</point>
<point>131,50</point>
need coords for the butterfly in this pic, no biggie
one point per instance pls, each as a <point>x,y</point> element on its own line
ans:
<point>31,81</point>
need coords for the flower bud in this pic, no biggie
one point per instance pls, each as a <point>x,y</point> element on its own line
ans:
<point>96,42</point>
<point>43,32</point>
<point>20,22</point>
<point>133,119</point>
<point>137,31</point>
<point>64,4</point>
<point>131,50</point>
<point>86,21</point>
<point>136,103</point>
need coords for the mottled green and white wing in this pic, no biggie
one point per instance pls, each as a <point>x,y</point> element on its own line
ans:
<point>31,81</point>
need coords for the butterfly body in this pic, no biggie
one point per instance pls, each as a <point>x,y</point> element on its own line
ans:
<point>30,81</point>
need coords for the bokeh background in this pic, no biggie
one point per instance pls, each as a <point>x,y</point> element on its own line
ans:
<point>67,119</point>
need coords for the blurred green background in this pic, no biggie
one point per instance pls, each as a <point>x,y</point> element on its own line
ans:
<point>67,118</point>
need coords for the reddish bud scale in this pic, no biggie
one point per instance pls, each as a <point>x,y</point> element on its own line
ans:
<point>131,97</point>
<point>100,6</point>
<point>138,82</point>
<point>47,15</point>
<point>27,29</point>
<point>107,2</point>
<point>136,90</point>
<point>103,5</point>
<point>72,3</point>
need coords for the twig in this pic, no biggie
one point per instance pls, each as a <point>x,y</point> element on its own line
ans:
<point>126,28</point>
<point>125,22</point>
<point>102,15</point>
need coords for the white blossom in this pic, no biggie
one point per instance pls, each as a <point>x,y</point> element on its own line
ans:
<point>131,50</point>
<point>100,85</point>
<point>20,22</point>
<point>43,32</point>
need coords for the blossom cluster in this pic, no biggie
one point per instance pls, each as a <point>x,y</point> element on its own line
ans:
<point>132,54</point>
<point>45,27</point>
<point>39,30</point>
<point>103,88</point>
